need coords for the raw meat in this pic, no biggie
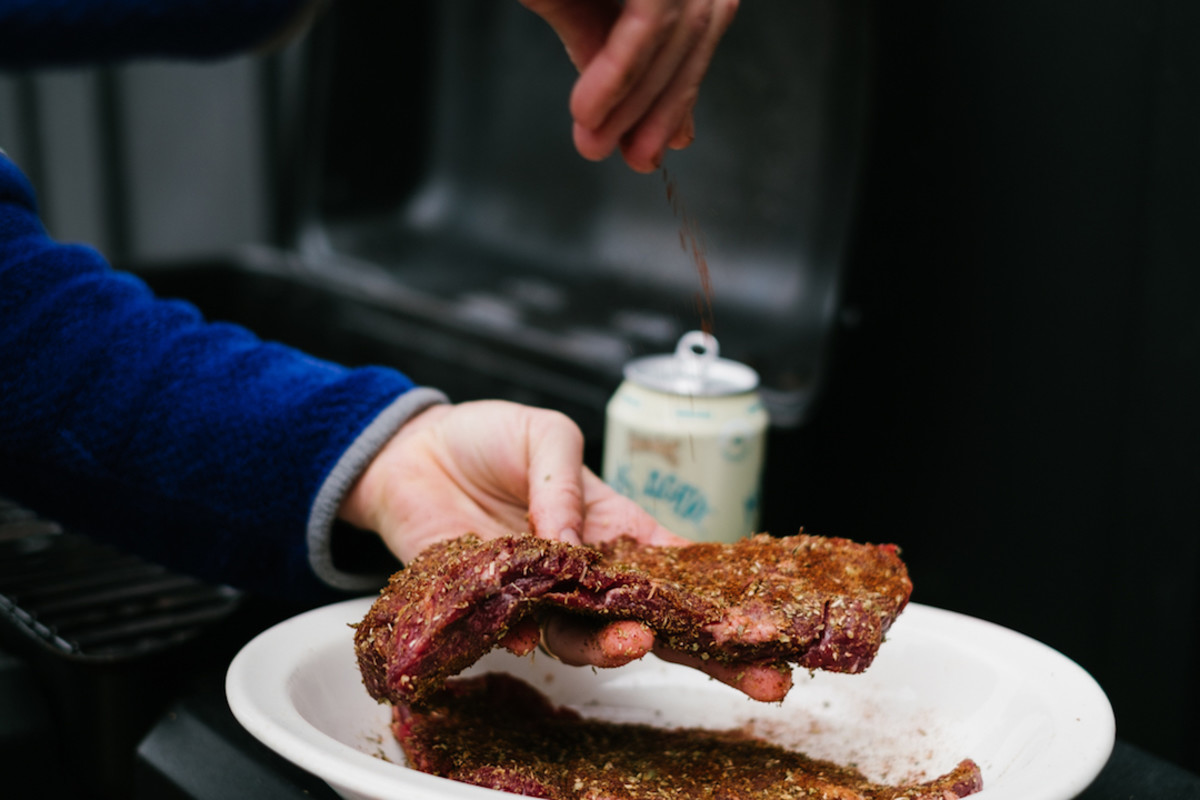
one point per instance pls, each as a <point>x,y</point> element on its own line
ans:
<point>499,732</point>
<point>819,603</point>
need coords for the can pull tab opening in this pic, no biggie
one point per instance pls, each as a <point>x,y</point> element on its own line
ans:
<point>695,368</point>
<point>695,352</point>
<point>697,346</point>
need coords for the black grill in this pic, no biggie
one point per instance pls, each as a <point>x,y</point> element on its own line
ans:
<point>77,598</point>
<point>99,643</point>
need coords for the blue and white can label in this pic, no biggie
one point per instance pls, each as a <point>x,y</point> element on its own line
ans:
<point>685,438</point>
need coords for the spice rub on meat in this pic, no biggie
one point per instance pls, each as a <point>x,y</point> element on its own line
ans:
<point>497,731</point>
<point>813,602</point>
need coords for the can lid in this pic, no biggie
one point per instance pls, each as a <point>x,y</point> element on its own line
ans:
<point>695,368</point>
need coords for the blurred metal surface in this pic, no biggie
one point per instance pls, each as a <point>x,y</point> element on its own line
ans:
<point>422,157</point>
<point>506,230</point>
<point>150,160</point>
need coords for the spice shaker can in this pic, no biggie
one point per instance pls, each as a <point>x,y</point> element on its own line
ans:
<point>685,438</point>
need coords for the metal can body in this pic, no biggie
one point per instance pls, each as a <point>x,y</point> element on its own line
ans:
<point>689,451</point>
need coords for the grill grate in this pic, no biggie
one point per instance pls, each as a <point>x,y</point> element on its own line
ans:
<point>84,600</point>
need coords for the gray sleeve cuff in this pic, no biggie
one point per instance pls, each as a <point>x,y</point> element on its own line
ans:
<point>342,477</point>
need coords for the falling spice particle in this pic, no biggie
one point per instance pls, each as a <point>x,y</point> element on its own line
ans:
<point>691,241</point>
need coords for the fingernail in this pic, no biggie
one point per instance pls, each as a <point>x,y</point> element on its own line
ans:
<point>685,135</point>
<point>682,141</point>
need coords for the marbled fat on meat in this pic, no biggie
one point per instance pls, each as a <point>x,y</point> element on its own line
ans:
<point>819,603</point>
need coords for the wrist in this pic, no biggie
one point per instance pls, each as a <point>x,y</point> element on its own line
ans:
<point>366,504</point>
<point>361,504</point>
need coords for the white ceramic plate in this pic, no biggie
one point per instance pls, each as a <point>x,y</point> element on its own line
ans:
<point>944,687</point>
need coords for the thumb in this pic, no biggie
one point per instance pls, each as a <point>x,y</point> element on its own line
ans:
<point>555,477</point>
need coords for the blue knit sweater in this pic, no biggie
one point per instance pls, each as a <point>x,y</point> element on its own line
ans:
<point>192,443</point>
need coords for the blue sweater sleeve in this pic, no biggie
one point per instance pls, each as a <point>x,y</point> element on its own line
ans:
<point>37,33</point>
<point>193,443</point>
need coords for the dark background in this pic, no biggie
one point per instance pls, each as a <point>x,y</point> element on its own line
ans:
<point>1016,382</point>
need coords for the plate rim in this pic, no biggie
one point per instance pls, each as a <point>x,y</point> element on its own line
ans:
<point>273,720</point>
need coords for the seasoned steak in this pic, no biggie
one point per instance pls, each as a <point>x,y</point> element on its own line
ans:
<point>801,600</point>
<point>499,732</point>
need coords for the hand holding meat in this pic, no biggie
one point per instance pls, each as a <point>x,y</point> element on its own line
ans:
<point>640,63</point>
<point>803,600</point>
<point>492,468</point>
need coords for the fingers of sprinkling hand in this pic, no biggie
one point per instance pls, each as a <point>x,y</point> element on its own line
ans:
<point>579,643</point>
<point>633,43</point>
<point>666,91</point>
<point>669,121</point>
<point>597,137</point>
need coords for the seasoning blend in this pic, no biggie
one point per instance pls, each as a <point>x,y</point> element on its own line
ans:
<point>685,438</point>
